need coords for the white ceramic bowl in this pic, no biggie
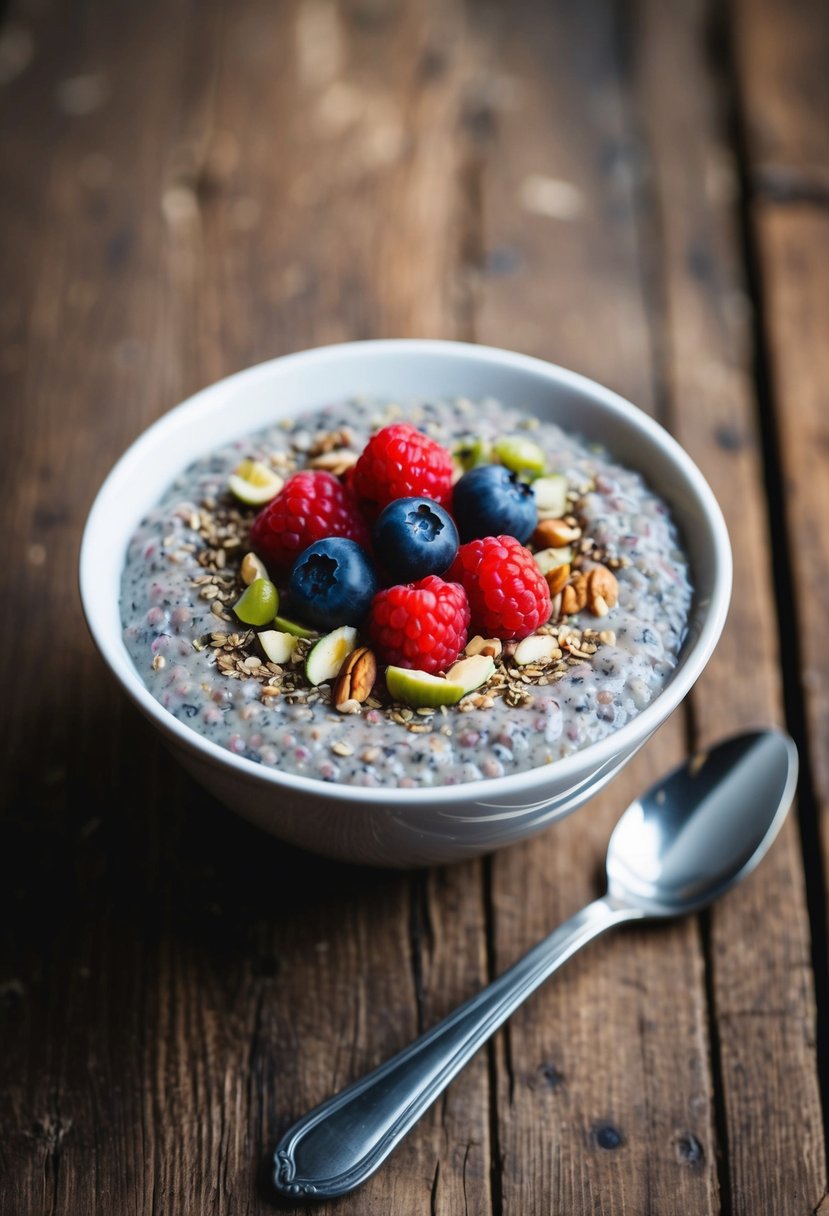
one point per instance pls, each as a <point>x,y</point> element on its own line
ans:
<point>381,826</point>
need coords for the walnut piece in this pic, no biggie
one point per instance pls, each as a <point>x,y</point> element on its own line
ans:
<point>574,595</point>
<point>602,590</point>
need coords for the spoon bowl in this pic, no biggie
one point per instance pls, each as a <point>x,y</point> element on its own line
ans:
<point>681,845</point>
<point>704,826</point>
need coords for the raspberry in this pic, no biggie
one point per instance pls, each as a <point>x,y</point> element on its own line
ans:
<point>508,594</point>
<point>311,506</point>
<point>401,462</point>
<point>420,625</point>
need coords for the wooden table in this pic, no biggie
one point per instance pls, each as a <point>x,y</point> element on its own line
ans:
<point>638,191</point>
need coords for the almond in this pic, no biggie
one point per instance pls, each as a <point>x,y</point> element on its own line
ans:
<point>355,679</point>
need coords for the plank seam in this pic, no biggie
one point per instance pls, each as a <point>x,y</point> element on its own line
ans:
<point>785,587</point>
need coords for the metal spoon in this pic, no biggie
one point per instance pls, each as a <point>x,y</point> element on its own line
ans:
<point>683,844</point>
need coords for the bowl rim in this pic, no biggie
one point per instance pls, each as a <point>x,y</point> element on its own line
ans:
<point>571,767</point>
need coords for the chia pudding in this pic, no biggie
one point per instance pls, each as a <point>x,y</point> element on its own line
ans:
<point>592,667</point>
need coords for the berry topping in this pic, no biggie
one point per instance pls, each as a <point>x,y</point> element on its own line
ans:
<point>491,501</point>
<point>508,595</point>
<point>420,625</point>
<point>311,506</point>
<point>332,583</point>
<point>414,537</point>
<point>401,462</point>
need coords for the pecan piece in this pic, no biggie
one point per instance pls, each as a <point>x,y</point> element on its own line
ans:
<point>355,679</point>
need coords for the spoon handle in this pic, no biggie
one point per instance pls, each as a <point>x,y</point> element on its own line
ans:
<point>342,1142</point>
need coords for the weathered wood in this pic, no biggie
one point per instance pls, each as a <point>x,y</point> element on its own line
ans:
<point>781,51</point>
<point>794,244</point>
<point>763,1015</point>
<point>220,186</point>
<point>185,190</point>
<point>604,1084</point>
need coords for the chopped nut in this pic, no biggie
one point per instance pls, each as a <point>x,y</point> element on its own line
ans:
<point>608,636</point>
<point>537,648</point>
<point>158,662</point>
<point>602,590</point>
<point>355,678</point>
<point>349,707</point>
<point>251,569</point>
<point>489,647</point>
<point>336,462</point>
<point>551,559</point>
<point>554,534</point>
<point>557,578</point>
<point>574,595</point>
<point>342,749</point>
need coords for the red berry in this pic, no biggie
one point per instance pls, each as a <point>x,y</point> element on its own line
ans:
<point>508,594</point>
<point>420,625</point>
<point>401,462</point>
<point>311,506</point>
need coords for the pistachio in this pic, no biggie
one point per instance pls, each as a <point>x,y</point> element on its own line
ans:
<point>355,679</point>
<point>472,672</point>
<point>554,533</point>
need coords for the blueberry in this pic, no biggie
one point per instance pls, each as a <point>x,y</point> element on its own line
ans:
<point>491,501</point>
<point>332,583</point>
<point>414,537</point>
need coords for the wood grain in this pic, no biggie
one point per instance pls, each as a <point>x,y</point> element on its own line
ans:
<point>781,53</point>
<point>185,190</point>
<point>604,1076</point>
<point>179,989</point>
<point>761,991</point>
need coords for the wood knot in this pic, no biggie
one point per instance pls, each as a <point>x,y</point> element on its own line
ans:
<point>608,1136</point>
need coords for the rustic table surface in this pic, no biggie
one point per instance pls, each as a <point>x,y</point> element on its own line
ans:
<point>638,191</point>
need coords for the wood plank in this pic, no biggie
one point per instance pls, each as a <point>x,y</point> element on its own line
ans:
<point>781,51</point>
<point>761,983</point>
<point>794,244</point>
<point>220,186</point>
<point>604,1083</point>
